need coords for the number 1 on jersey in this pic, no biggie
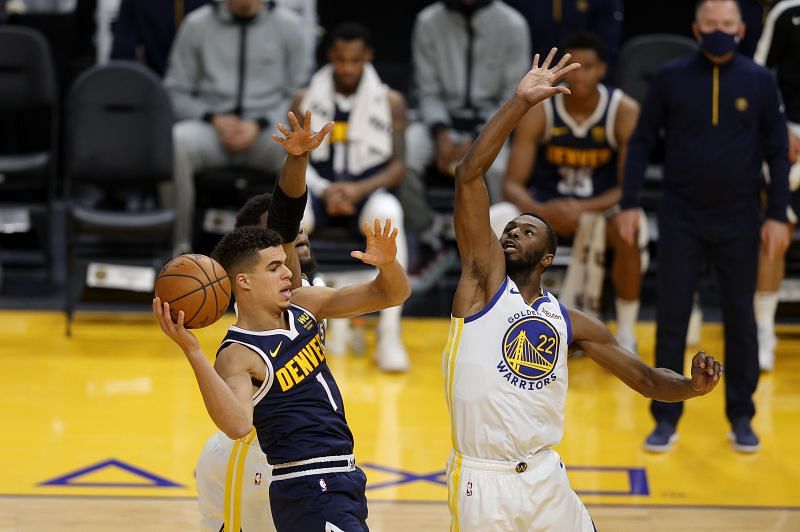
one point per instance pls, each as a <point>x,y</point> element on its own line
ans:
<point>324,384</point>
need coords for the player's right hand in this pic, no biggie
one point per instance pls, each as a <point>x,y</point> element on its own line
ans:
<point>628,224</point>
<point>301,140</point>
<point>176,331</point>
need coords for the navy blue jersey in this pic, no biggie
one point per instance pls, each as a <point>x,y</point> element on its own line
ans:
<point>577,160</point>
<point>335,168</point>
<point>298,411</point>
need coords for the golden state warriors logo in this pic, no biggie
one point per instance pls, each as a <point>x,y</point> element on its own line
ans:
<point>530,348</point>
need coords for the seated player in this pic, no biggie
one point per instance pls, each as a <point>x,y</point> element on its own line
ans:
<point>566,165</point>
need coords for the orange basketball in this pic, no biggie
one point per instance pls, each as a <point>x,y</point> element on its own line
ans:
<point>197,285</point>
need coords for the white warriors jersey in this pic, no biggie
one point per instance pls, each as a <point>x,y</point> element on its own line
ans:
<point>506,376</point>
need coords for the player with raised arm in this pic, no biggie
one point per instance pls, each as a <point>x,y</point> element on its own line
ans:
<point>505,363</point>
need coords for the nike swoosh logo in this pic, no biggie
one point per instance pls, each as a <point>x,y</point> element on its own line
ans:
<point>796,21</point>
<point>514,291</point>
<point>274,352</point>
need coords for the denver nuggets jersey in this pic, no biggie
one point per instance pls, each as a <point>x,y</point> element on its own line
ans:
<point>577,160</point>
<point>506,376</point>
<point>335,167</point>
<point>298,411</point>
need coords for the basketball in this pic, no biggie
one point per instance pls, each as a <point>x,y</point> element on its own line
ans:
<point>197,285</point>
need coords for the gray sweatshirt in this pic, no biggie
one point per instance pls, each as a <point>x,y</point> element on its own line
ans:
<point>467,74</point>
<point>219,65</point>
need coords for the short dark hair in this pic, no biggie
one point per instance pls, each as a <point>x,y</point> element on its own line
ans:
<point>237,251</point>
<point>349,31</point>
<point>585,40</point>
<point>700,4</point>
<point>552,239</point>
<point>252,211</point>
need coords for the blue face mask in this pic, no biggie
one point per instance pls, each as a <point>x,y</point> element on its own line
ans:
<point>718,43</point>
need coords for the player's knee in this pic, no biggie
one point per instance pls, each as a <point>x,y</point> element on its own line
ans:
<point>385,206</point>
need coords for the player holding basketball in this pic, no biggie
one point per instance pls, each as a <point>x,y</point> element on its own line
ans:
<point>227,494</point>
<point>505,362</point>
<point>297,409</point>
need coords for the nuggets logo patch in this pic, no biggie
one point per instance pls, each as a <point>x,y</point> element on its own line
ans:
<point>530,353</point>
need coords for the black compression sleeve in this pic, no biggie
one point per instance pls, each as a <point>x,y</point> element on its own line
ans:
<point>285,214</point>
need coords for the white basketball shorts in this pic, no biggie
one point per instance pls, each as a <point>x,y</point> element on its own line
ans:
<point>530,495</point>
<point>233,485</point>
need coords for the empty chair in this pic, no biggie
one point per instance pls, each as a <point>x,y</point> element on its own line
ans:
<point>28,140</point>
<point>118,154</point>
<point>641,58</point>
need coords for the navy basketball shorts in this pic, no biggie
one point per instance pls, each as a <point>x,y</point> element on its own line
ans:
<point>322,502</point>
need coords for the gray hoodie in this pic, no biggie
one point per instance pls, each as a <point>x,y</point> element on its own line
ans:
<point>466,67</point>
<point>252,69</point>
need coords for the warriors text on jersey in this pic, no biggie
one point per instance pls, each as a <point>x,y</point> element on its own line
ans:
<point>298,411</point>
<point>577,160</point>
<point>506,376</point>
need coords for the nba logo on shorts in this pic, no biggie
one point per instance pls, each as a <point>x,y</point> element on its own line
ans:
<point>323,485</point>
<point>257,481</point>
<point>469,489</point>
<point>530,348</point>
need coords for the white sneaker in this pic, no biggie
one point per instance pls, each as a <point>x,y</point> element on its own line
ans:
<point>695,326</point>
<point>391,354</point>
<point>358,340</point>
<point>337,337</point>
<point>766,349</point>
<point>629,343</point>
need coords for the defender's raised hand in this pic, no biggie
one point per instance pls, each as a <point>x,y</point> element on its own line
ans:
<point>538,83</point>
<point>706,372</point>
<point>301,139</point>
<point>381,244</point>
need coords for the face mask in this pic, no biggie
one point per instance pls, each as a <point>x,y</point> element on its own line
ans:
<point>718,43</point>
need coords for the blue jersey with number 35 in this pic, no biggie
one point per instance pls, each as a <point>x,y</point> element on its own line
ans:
<point>577,160</point>
<point>298,411</point>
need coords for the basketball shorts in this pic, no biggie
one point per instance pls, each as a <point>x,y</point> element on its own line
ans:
<point>530,495</point>
<point>319,495</point>
<point>233,485</point>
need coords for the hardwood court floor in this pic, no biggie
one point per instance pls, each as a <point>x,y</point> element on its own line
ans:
<point>102,432</point>
<point>68,514</point>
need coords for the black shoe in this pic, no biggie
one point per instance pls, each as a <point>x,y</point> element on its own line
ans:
<point>743,438</point>
<point>662,439</point>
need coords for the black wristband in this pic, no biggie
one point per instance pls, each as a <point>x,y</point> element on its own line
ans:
<point>263,123</point>
<point>285,214</point>
<point>208,116</point>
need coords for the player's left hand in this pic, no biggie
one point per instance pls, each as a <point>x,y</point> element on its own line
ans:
<point>381,244</point>
<point>706,372</point>
<point>301,139</point>
<point>176,331</point>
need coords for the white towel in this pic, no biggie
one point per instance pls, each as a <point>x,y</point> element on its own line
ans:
<point>369,127</point>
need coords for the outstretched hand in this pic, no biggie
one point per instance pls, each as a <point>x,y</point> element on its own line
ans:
<point>301,139</point>
<point>381,244</point>
<point>706,372</point>
<point>538,83</point>
<point>179,334</point>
